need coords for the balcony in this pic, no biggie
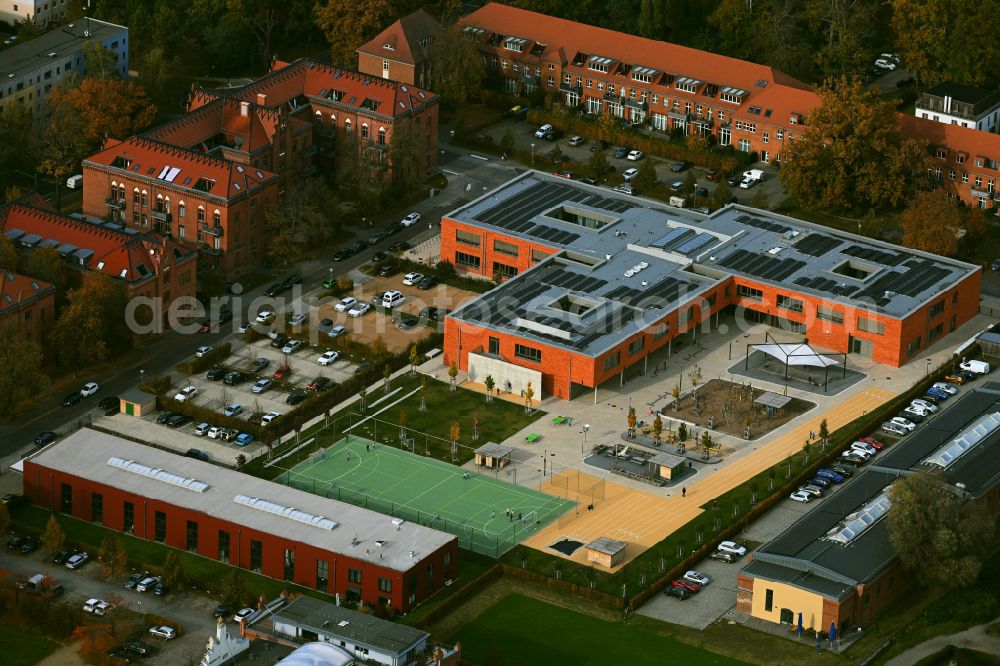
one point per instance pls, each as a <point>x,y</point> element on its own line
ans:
<point>636,104</point>
<point>118,204</point>
<point>570,88</point>
<point>214,231</point>
<point>161,215</point>
<point>209,249</point>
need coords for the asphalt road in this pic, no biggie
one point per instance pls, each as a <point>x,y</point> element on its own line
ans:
<point>159,353</point>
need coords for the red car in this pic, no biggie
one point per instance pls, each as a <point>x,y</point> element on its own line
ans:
<point>282,372</point>
<point>206,327</point>
<point>872,442</point>
<point>711,174</point>
<point>687,585</point>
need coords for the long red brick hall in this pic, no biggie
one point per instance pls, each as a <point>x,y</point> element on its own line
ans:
<point>595,281</point>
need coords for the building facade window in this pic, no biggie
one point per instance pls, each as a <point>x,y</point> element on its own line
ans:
<point>612,361</point>
<point>936,309</point>
<point>97,508</point>
<point>469,260</point>
<point>769,600</point>
<point>256,556</point>
<point>503,271</point>
<point>160,526</point>
<point>192,536</point>
<point>661,331</point>
<point>364,131</point>
<point>223,546</point>
<point>871,326</point>
<point>467,238</point>
<point>289,564</point>
<point>789,303</point>
<point>538,255</point>
<point>504,247</point>
<point>384,584</point>
<point>829,314</point>
<point>354,575</point>
<point>636,346</point>
<point>66,498</point>
<point>322,575</point>
<point>201,215</point>
<point>749,292</point>
<point>528,353</point>
<point>128,525</point>
<point>217,218</point>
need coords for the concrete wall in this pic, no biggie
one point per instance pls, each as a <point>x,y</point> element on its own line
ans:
<point>479,366</point>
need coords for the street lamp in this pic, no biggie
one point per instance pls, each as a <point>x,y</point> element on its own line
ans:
<point>331,277</point>
<point>928,368</point>
<point>142,379</point>
<point>586,428</point>
<point>532,154</point>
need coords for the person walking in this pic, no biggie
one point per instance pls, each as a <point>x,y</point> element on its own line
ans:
<point>684,492</point>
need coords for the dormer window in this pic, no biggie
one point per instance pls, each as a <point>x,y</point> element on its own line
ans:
<point>388,47</point>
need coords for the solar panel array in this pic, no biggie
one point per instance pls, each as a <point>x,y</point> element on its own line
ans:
<point>761,265</point>
<point>820,283</point>
<point>922,274</point>
<point>696,243</point>
<point>674,238</point>
<point>859,521</point>
<point>767,225</point>
<point>662,293</point>
<point>878,256</point>
<point>517,213</point>
<point>816,245</point>
<point>984,426</point>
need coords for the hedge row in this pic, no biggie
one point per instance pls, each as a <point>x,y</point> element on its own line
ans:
<point>201,414</point>
<point>203,363</point>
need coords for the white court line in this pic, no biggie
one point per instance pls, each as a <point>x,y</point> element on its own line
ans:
<point>389,406</point>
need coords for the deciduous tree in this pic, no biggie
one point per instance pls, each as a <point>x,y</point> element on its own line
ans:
<point>408,154</point>
<point>107,108</point>
<point>931,223</point>
<point>46,264</point>
<point>599,165</point>
<point>939,535</point>
<point>851,153</point>
<point>100,63</point>
<point>456,67</point>
<point>21,368</point>
<point>234,590</point>
<point>347,25</point>
<point>172,573</point>
<point>302,220</point>
<point>92,327</point>
<point>113,556</point>
<point>53,538</point>
<point>646,178</point>
<point>17,139</point>
<point>721,194</point>
<point>9,258</point>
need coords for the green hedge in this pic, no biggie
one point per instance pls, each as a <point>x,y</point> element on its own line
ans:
<point>203,363</point>
<point>444,271</point>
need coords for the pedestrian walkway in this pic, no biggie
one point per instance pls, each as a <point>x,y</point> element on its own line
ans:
<point>974,638</point>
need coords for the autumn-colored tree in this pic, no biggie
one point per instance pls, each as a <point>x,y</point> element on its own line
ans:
<point>646,178</point>
<point>529,393</point>
<point>632,420</point>
<point>302,220</point>
<point>234,590</point>
<point>721,194</point>
<point>760,199</point>
<point>347,25</point>
<point>456,67</point>
<point>107,107</point>
<point>47,264</point>
<point>62,143</point>
<point>92,327</point>
<point>414,358</point>
<point>455,432</point>
<point>53,538</point>
<point>172,573</point>
<point>21,368</point>
<point>99,62</point>
<point>408,154</point>
<point>453,374</point>
<point>17,139</point>
<point>378,349</point>
<point>599,165</point>
<point>848,28</point>
<point>851,153</point>
<point>404,421</point>
<point>657,427</point>
<point>94,640</point>
<point>942,40</point>
<point>9,259</point>
<point>113,556</point>
<point>386,374</point>
<point>931,223</point>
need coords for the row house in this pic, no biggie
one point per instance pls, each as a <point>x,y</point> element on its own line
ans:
<point>965,162</point>
<point>148,263</point>
<point>26,303</point>
<point>205,203</point>
<point>671,88</point>
<point>401,51</point>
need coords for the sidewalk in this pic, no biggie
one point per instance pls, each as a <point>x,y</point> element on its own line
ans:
<point>974,638</point>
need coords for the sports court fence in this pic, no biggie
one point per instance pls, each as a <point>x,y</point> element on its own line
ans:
<point>587,495</point>
<point>473,538</point>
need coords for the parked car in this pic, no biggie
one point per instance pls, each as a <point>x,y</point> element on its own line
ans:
<point>677,167</point>
<point>864,447</point>
<point>61,556</point>
<point>77,561</point>
<point>135,579</point>
<point>202,429</point>
<point>197,454</point>
<point>577,140</point>
<point>222,610</point>
<point>399,246</point>
<point>295,398</point>
<point>297,318</point>
<point>233,409</point>
<point>72,399</point>
<point>711,174</point>
<point>411,279</point>
<point>318,384</point>
<point>428,282</point>
<point>233,378</point>
<point>359,309</point>
<point>946,387</point>
<point>932,398</point>
<point>827,473</point>
<point>186,393</point>
<point>177,420</point>
<point>262,386</point>
<point>677,186</point>
<point>732,547</point>
<point>543,130</point>
<point>89,389</point>
<point>906,423</point>
<point>634,155</point>
<point>723,556</point>
<point>96,606</point>
<point>924,404</point>
<point>693,588</point>
<point>815,491</point>
<point>852,458</point>
<point>388,270</point>
<point>887,65</point>
<point>244,327</point>
<point>292,346</point>
<point>820,482</point>
<point>160,589</point>
<point>216,373</point>
<point>259,364</point>
<point>243,439</point>
<point>326,358</point>
<point>265,317</point>
<point>267,418</point>
<point>345,304</point>
<point>203,350</point>
<point>279,341</point>
<point>283,371</point>
<point>164,632</point>
<point>164,417</point>
<point>140,649</point>
<point>600,144</point>
<point>336,331</point>
<point>800,496</point>
<point>894,429</point>
<point>629,174</point>
<point>938,393</point>
<point>43,438</point>
<point>410,219</point>
<point>243,614</point>
<point>677,592</point>
<point>913,414</point>
<point>697,577</point>
<point>843,470</point>
<point>872,442</point>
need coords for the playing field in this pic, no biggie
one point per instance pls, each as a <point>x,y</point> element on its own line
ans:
<point>487,515</point>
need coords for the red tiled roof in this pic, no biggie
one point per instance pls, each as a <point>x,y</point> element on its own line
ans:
<point>955,137</point>
<point>132,257</point>
<point>574,38</point>
<point>16,289</point>
<point>401,40</point>
<point>288,81</point>
<point>181,167</point>
<point>211,116</point>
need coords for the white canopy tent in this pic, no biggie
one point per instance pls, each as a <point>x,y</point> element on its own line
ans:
<point>797,354</point>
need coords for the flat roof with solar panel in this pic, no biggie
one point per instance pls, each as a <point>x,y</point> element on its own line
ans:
<point>616,233</point>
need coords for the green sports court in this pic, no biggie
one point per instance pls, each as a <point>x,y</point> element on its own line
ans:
<point>487,515</point>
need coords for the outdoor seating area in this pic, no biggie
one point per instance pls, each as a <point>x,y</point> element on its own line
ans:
<point>532,438</point>
<point>560,420</point>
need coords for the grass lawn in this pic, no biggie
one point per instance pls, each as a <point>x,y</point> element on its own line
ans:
<point>959,657</point>
<point>498,420</point>
<point>524,631</point>
<point>21,648</point>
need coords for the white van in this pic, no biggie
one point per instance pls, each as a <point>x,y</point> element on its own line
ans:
<point>751,178</point>
<point>391,299</point>
<point>74,182</point>
<point>978,367</point>
<point>678,202</point>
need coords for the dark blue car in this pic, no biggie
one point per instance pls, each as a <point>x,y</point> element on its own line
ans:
<point>821,481</point>
<point>831,475</point>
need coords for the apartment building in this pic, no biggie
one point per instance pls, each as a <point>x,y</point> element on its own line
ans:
<point>41,12</point>
<point>31,70</point>
<point>148,263</point>
<point>958,104</point>
<point>26,303</point>
<point>400,52</point>
<point>754,108</point>
<point>595,282</point>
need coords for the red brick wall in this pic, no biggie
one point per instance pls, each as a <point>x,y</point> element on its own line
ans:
<point>32,319</point>
<point>398,71</point>
<point>486,253</point>
<point>43,487</point>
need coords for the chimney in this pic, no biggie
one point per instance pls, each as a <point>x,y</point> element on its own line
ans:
<point>244,109</point>
<point>262,99</point>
